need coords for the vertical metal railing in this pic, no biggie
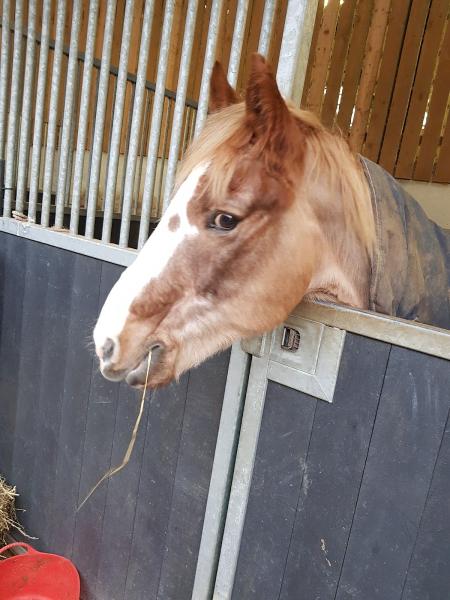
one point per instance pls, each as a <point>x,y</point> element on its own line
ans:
<point>210,54</point>
<point>179,111</point>
<point>83,118</point>
<point>65,150</point>
<point>136,119</point>
<point>126,169</point>
<point>237,41</point>
<point>4,72</point>
<point>53,113</point>
<point>25,121</point>
<point>155,131</point>
<point>14,101</point>
<point>97,144</point>
<point>39,111</point>
<point>121,86</point>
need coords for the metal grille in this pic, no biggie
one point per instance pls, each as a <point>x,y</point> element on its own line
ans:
<point>89,143</point>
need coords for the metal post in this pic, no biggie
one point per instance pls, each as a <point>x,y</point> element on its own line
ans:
<point>236,44</point>
<point>210,54</point>
<point>177,124</point>
<point>136,120</point>
<point>114,149</point>
<point>39,111</point>
<point>24,142</point>
<point>83,117</point>
<point>153,142</point>
<point>13,110</point>
<point>53,114</point>
<point>294,53</point>
<point>4,75</point>
<point>266,27</point>
<point>97,143</point>
<point>65,147</point>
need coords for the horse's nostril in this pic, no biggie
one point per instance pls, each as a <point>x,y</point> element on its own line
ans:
<point>108,349</point>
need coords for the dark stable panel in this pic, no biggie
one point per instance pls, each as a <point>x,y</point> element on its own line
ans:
<point>308,469</point>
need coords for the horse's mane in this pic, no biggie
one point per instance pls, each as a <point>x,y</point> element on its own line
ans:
<point>329,165</point>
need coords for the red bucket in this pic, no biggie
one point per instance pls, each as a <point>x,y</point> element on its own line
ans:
<point>37,576</point>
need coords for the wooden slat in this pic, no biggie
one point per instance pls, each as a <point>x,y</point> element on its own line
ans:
<point>421,89</point>
<point>353,66</point>
<point>277,32</point>
<point>198,50</point>
<point>370,66</point>
<point>436,113</point>
<point>398,19</point>
<point>312,54</point>
<point>403,84</point>
<point>442,172</point>
<point>251,39</point>
<point>337,64</point>
<point>322,55</point>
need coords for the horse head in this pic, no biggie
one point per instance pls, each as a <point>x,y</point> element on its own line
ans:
<point>241,243</point>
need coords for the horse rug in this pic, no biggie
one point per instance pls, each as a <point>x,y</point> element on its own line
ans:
<point>411,261</point>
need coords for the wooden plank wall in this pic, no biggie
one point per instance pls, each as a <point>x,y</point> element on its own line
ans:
<point>379,71</point>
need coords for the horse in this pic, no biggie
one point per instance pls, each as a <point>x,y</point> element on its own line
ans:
<point>269,208</point>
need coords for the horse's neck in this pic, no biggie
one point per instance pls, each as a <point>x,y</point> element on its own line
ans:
<point>342,273</point>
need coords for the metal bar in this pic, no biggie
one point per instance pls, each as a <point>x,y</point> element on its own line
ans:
<point>97,63</point>
<point>73,243</point>
<point>242,476</point>
<point>136,120</point>
<point>138,176</point>
<point>266,27</point>
<point>96,157</point>
<point>4,71</point>
<point>236,44</point>
<point>53,114</point>
<point>39,112</point>
<point>295,45</point>
<point>221,474</point>
<point>210,53</point>
<point>114,149</point>
<point>65,146</point>
<point>164,152</point>
<point>153,142</point>
<point>13,110</point>
<point>24,142</point>
<point>177,124</point>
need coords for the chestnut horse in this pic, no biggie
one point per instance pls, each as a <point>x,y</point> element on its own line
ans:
<point>269,208</point>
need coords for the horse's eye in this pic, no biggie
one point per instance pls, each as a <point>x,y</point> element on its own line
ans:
<point>224,221</point>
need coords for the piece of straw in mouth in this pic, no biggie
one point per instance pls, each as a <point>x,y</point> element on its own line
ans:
<point>126,458</point>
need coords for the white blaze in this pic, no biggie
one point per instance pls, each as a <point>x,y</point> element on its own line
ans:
<point>149,263</point>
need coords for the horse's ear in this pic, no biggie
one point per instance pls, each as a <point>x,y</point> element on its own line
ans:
<point>267,112</point>
<point>221,94</point>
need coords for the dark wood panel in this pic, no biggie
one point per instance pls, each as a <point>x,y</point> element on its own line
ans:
<point>96,460</point>
<point>429,569</point>
<point>277,478</point>
<point>156,483</point>
<point>407,434</point>
<point>190,491</point>
<point>75,395</point>
<point>49,364</point>
<point>335,465</point>
<point>121,497</point>
<point>72,425</point>
<point>12,286</point>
